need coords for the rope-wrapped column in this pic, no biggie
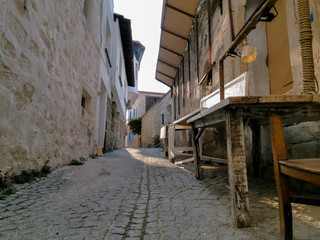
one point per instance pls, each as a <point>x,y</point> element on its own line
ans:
<point>306,47</point>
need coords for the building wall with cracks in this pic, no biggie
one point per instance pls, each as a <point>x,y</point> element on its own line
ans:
<point>277,70</point>
<point>55,84</point>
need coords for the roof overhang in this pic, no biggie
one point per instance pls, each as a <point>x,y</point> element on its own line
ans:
<point>127,45</point>
<point>177,18</point>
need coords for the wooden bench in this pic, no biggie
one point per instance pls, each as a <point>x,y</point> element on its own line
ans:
<point>304,169</point>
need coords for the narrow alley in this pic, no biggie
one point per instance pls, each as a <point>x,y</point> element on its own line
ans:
<point>138,194</point>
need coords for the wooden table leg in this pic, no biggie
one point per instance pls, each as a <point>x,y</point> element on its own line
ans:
<point>196,156</point>
<point>237,169</point>
<point>171,138</point>
<point>280,153</point>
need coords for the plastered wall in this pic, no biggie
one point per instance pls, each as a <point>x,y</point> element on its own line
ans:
<point>152,120</point>
<point>49,55</point>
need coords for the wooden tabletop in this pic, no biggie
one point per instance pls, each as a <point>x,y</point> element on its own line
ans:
<point>290,106</point>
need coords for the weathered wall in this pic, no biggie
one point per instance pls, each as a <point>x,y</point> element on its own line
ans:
<point>115,128</point>
<point>141,105</point>
<point>49,53</point>
<point>188,90</point>
<point>152,119</point>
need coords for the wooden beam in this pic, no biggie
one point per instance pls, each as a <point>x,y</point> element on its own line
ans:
<point>174,34</point>
<point>165,75</point>
<point>247,28</point>
<point>172,51</point>
<point>197,48</point>
<point>200,133</point>
<point>168,64</point>
<point>196,154</point>
<point>180,11</point>
<point>214,159</point>
<point>185,161</point>
<point>189,70</point>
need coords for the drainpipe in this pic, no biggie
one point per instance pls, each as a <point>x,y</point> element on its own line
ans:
<point>306,47</point>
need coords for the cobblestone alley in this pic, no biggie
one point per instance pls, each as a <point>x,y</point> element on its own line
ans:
<point>137,194</point>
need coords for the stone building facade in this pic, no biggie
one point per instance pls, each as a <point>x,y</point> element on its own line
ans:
<point>277,69</point>
<point>156,117</point>
<point>141,105</point>
<point>56,81</point>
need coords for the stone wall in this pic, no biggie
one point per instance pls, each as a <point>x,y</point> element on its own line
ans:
<point>49,60</point>
<point>140,105</point>
<point>152,120</point>
<point>188,89</point>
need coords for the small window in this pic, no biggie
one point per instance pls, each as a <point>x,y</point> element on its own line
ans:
<point>85,8</point>
<point>120,80</point>
<point>162,118</point>
<point>85,99</point>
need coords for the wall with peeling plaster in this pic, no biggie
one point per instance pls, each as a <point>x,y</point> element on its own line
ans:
<point>49,55</point>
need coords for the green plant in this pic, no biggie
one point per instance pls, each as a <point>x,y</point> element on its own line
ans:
<point>157,143</point>
<point>24,177</point>
<point>46,169</point>
<point>6,188</point>
<point>76,162</point>
<point>30,175</point>
<point>135,125</point>
<point>93,155</point>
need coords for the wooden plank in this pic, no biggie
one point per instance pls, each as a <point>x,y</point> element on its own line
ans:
<point>280,153</point>
<point>182,149</point>
<point>171,134</point>
<point>289,113</point>
<point>214,159</point>
<point>286,98</point>
<point>207,158</point>
<point>196,155</point>
<point>182,127</point>
<point>185,161</point>
<point>182,154</point>
<point>213,119</point>
<point>237,169</point>
<point>183,120</point>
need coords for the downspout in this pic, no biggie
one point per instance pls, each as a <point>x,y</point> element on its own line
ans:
<point>305,40</point>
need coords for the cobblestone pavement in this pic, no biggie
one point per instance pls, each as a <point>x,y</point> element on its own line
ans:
<point>137,194</point>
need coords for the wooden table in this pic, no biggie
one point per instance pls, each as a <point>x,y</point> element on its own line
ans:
<point>232,113</point>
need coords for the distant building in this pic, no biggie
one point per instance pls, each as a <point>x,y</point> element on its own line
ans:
<point>142,104</point>
<point>156,117</point>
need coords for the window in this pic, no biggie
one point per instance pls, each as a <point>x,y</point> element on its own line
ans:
<point>86,8</point>
<point>85,100</point>
<point>131,137</point>
<point>162,118</point>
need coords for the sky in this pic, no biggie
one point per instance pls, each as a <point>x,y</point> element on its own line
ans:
<point>145,18</point>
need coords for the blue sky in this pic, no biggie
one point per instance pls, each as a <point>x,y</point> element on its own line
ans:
<point>145,18</point>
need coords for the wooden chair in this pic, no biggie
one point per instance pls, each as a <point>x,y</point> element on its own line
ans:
<point>305,169</point>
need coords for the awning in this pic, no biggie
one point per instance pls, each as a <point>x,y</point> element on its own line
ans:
<point>177,17</point>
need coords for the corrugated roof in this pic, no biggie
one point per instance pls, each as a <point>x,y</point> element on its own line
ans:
<point>177,17</point>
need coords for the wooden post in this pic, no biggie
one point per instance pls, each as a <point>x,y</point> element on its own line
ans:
<point>171,137</point>
<point>237,169</point>
<point>196,156</point>
<point>280,153</point>
<point>221,80</point>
